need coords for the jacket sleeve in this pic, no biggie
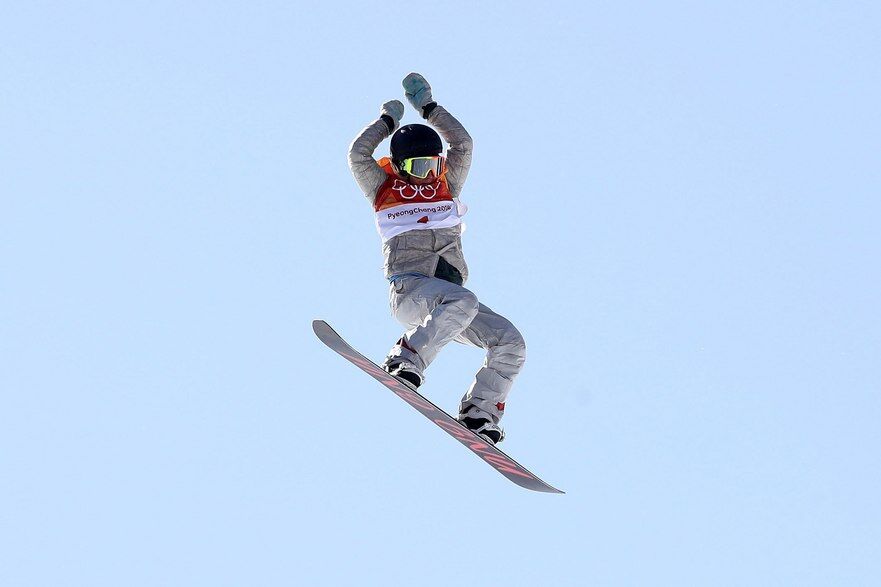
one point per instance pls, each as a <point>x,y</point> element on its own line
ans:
<point>364,167</point>
<point>461,147</point>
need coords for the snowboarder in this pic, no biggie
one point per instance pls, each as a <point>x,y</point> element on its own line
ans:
<point>415,198</point>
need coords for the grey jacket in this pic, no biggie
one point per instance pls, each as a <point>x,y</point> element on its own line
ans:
<point>417,251</point>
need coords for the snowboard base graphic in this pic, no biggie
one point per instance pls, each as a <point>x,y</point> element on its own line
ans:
<point>477,444</point>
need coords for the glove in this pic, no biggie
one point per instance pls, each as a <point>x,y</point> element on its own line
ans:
<point>418,91</point>
<point>394,110</point>
<point>392,113</point>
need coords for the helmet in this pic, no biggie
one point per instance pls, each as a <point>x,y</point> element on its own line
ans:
<point>415,140</point>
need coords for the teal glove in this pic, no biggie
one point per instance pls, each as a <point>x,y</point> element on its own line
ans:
<point>417,90</point>
<point>392,113</point>
<point>394,110</point>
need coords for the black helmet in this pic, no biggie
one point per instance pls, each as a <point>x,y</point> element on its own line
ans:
<point>415,140</point>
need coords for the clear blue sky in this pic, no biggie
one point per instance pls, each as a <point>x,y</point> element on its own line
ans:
<point>677,203</point>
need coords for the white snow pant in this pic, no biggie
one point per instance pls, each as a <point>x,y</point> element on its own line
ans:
<point>436,312</point>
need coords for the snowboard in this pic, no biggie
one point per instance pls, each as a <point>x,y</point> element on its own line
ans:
<point>477,444</point>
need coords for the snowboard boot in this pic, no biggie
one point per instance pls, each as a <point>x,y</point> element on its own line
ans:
<point>406,372</point>
<point>481,424</point>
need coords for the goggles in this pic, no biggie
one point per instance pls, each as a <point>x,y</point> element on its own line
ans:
<point>421,166</point>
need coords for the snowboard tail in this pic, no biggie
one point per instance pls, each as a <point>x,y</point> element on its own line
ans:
<point>501,462</point>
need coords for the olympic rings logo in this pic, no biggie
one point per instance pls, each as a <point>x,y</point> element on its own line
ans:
<point>408,191</point>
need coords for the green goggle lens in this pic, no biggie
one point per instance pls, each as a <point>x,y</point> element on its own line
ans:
<point>421,166</point>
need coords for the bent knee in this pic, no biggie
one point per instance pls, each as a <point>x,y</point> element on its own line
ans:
<point>512,347</point>
<point>520,348</point>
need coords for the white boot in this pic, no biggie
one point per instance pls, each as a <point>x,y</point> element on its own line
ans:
<point>405,371</point>
<point>482,424</point>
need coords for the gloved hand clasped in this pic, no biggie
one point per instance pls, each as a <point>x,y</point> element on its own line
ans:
<point>392,112</point>
<point>418,91</point>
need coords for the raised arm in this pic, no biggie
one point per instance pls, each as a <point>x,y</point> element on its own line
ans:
<point>461,147</point>
<point>418,93</point>
<point>367,172</point>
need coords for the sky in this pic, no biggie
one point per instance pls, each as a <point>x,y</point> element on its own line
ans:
<point>675,202</point>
